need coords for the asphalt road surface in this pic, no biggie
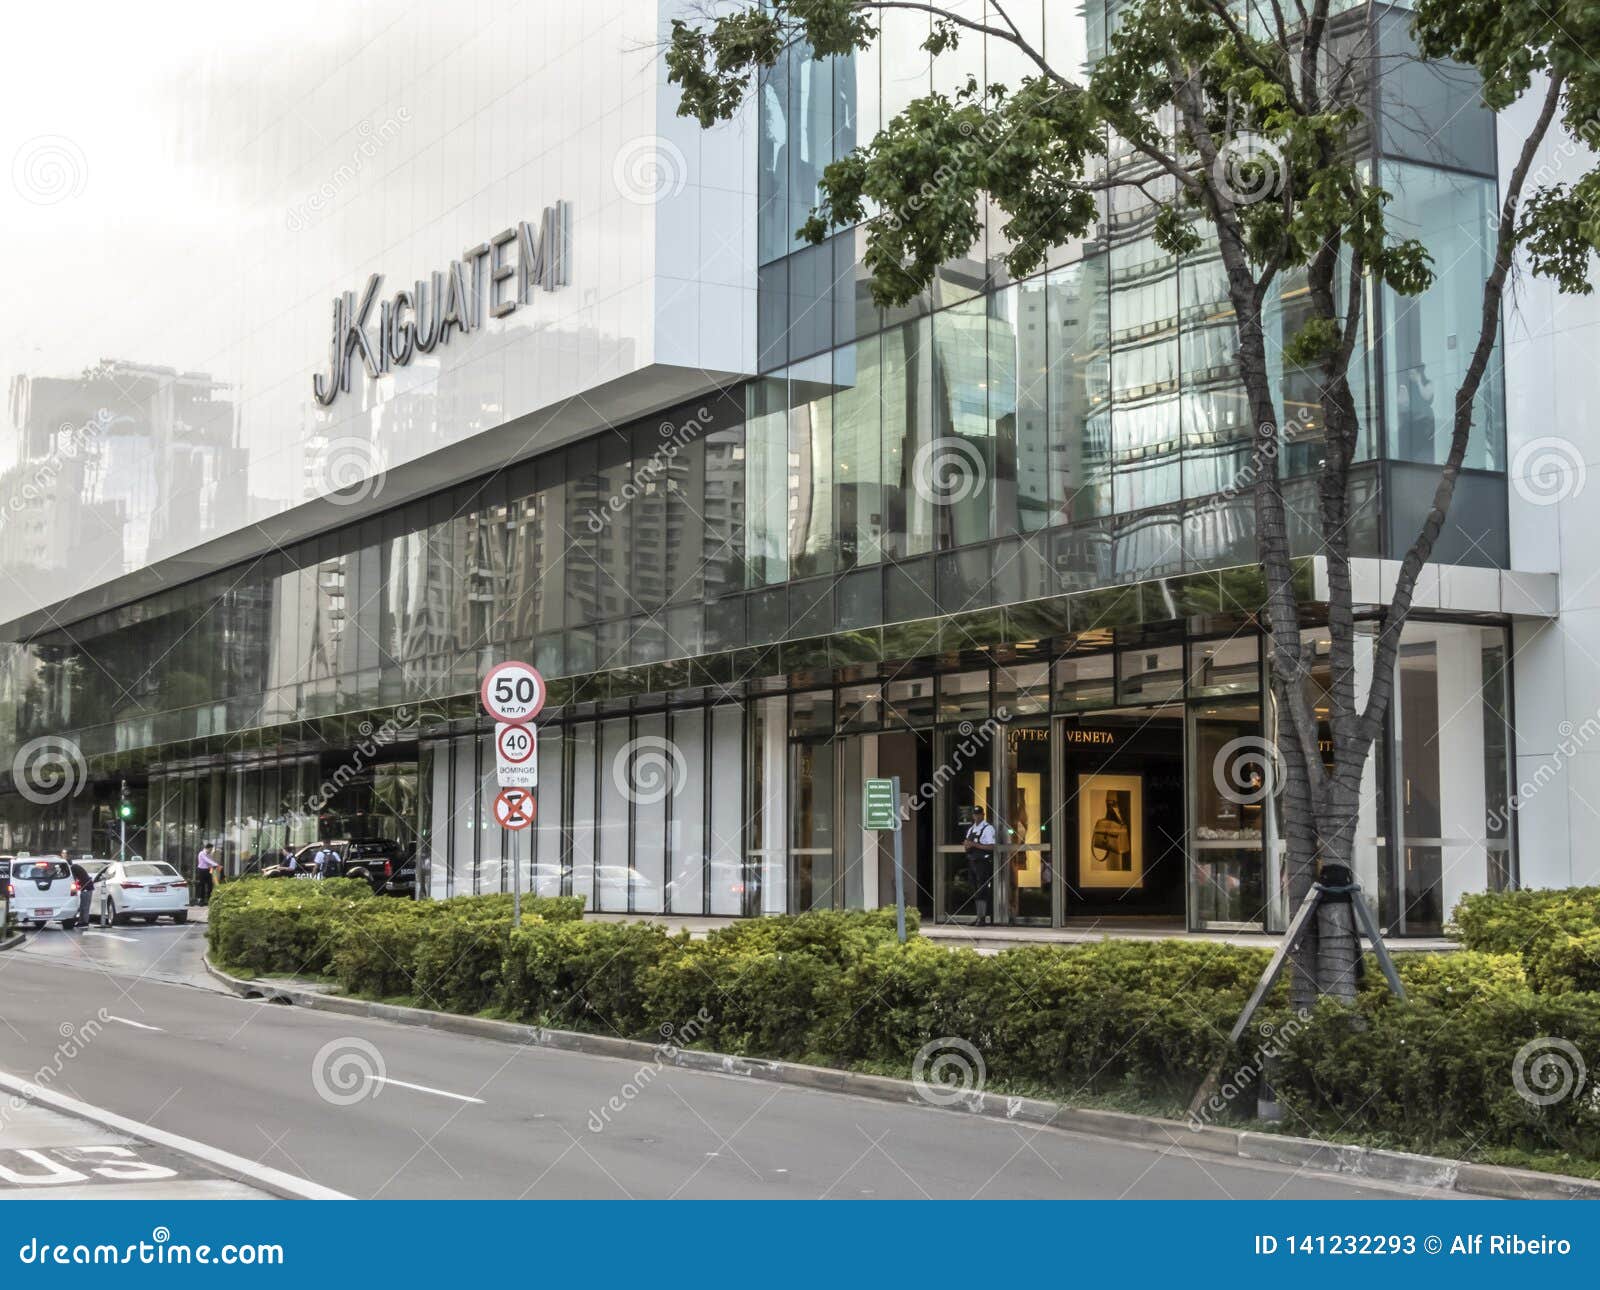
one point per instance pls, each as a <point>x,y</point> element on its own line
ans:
<point>374,1109</point>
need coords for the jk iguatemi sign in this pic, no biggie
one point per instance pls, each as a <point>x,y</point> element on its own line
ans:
<point>491,279</point>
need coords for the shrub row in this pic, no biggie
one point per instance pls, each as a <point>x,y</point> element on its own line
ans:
<point>445,954</point>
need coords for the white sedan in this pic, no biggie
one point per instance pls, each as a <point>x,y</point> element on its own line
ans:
<point>139,889</point>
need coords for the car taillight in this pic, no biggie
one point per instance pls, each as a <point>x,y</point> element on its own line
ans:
<point>133,886</point>
<point>76,886</point>
<point>388,868</point>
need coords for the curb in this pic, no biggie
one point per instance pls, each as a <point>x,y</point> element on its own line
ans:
<point>11,942</point>
<point>1396,1167</point>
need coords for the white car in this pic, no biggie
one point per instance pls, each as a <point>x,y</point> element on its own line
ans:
<point>147,889</point>
<point>43,890</point>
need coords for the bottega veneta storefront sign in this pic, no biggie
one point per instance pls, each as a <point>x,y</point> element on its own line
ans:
<point>489,281</point>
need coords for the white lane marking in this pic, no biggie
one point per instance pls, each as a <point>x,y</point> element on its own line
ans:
<point>137,1025</point>
<point>423,1088</point>
<point>303,1188</point>
<point>112,936</point>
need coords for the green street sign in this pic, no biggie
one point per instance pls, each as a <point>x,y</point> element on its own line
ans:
<point>879,809</point>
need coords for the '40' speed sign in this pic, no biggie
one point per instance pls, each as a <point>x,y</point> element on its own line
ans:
<point>513,692</point>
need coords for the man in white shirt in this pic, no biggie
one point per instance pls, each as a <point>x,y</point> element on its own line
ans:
<point>205,867</point>
<point>320,860</point>
<point>979,843</point>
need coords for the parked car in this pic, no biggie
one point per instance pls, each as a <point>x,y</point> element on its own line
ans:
<point>144,889</point>
<point>43,890</point>
<point>386,865</point>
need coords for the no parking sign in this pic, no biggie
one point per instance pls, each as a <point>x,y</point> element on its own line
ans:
<point>513,808</point>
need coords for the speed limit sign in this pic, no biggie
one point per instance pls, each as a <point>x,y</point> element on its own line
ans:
<point>513,692</point>
<point>516,755</point>
<point>515,744</point>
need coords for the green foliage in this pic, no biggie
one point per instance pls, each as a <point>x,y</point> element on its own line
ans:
<point>1435,1077</point>
<point>372,953</point>
<point>281,925</point>
<point>584,976</point>
<point>311,928</point>
<point>1569,964</point>
<point>1454,980</point>
<point>1525,922</point>
<point>759,986</point>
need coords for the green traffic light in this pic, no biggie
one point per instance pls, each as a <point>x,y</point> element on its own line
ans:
<point>125,810</point>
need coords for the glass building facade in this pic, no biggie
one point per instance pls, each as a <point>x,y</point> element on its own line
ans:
<point>991,543</point>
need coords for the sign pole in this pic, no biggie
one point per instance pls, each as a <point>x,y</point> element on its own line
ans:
<point>899,870</point>
<point>516,884</point>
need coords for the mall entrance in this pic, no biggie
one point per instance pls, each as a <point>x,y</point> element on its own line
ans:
<point>1124,789</point>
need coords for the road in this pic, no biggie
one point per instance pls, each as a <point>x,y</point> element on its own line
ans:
<point>375,1109</point>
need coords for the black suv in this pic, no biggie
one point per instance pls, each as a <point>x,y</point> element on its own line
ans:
<point>386,865</point>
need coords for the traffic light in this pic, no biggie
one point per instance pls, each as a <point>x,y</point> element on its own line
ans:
<point>125,805</point>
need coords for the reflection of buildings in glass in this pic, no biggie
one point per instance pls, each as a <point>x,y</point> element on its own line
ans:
<point>157,464</point>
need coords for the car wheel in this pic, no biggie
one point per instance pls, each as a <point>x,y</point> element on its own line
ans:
<point>118,918</point>
<point>67,924</point>
<point>182,916</point>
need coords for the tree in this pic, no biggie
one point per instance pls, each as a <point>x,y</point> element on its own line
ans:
<point>1244,124</point>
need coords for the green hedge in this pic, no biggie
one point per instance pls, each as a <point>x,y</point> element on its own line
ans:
<point>1520,922</point>
<point>287,925</point>
<point>1431,1077</point>
<point>372,945</point>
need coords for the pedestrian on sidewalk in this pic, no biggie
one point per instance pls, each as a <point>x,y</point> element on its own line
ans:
<point>204,873</point>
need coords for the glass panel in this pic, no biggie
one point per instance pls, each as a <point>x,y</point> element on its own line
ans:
<point>1228,789</point>
<point>612,853</point>
<point>547,828</point>
<point>1023,823</point>
<point>1450,688</point>
<point>810,469</point>
<point>964,696</point>
<point>654,777</point>
<point>583,789</point>
<point>957,473</point>
<point>811,845</point>
<point>964,883</point>
<point>494,843</point>
<point>1022,691</point>
<point>772,165</point>
<point>726,870</point>
<point>1224,667</point>
<point>767,481</point>
<point>464,809</point>
<point>1086,680</point>
<point>1152,673</point>
<point>1429,338</point>
<point>686,838</point>
<point>908,436</point>
<point>857,451</point>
